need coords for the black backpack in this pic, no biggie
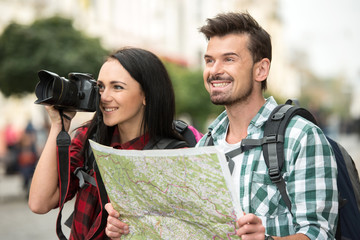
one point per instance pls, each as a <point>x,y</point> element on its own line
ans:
<point>63,143</point>
<point>273,150</point>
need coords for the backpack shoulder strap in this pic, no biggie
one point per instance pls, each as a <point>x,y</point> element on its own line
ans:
<point>103,200</point>
<point>183,128</point>
<point>273,148</point>
<point>165,143</point>
<point>209,141</point>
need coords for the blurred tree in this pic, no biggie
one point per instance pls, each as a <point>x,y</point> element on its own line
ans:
<point>326,97</point>
<point>191,95</point>
<point>52,44</point>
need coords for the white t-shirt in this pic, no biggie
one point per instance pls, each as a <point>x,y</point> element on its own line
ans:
<point>235,177</point>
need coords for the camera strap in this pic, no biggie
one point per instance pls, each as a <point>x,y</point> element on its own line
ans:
<point>63,141</point>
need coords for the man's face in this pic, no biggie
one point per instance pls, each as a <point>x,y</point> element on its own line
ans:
<point>228,73</point>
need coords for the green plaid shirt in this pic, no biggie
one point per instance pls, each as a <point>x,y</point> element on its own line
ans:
<point>309,171</point>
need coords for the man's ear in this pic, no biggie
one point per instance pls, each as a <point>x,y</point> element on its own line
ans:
<point>261,69</point>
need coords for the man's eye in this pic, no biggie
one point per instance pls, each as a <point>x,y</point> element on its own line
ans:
<point>208,60</point>
<point>229,59</point>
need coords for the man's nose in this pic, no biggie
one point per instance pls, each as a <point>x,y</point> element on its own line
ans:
<point>216,69</point>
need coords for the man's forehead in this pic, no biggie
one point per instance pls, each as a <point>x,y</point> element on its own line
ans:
<point>227,45</point>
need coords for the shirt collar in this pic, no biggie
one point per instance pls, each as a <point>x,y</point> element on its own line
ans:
<point>136,143</point>
<point>219,125</point>
<point>262,116</point>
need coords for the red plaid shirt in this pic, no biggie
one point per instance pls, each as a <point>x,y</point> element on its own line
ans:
<point>87,206</point>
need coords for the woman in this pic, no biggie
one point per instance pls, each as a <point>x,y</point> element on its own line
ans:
<point>137,107</point>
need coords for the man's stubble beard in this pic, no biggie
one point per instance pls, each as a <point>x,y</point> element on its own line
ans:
<point>228,101</point>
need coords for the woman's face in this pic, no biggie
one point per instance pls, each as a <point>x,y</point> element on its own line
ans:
<point>122,101</point>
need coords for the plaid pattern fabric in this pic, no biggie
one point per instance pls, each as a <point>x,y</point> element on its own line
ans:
<point>309,171</point>
<point>87,204</point>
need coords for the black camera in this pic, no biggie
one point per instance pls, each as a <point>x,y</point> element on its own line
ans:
<point>79,93</point>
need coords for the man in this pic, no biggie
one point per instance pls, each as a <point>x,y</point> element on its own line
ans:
<point>237,64</point>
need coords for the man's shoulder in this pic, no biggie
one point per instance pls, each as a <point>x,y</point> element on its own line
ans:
<point>298,123</point>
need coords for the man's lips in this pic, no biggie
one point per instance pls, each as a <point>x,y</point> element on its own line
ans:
<point>220,84</point>
<point>219,81</point>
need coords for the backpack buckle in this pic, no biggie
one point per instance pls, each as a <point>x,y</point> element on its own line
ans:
<point>180,126</point>
<point>278,116</point>
<point>271,138</point>
<point>274,175</point>
<point>79,173</point>
<point>274,138</point>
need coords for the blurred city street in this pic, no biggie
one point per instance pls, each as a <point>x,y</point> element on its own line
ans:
<point>18,222</point>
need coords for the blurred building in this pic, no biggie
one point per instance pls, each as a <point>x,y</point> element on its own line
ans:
<point>167,27</point>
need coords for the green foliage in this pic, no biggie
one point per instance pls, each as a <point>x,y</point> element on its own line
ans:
<point>327,96</point>
<point>52,44</point>
<point>191,95</point>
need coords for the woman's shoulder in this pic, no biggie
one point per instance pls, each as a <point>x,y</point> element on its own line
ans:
<point>80,133</point>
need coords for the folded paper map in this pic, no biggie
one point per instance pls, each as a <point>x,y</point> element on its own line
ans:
<point>170,194</point>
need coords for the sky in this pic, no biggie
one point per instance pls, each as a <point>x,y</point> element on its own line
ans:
<point>328,31</point>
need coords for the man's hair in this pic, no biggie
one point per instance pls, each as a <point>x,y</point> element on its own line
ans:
<point>241,23</point>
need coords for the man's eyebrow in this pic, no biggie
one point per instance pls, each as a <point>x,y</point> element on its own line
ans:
<point>225,54</point>
<point>230,54</point>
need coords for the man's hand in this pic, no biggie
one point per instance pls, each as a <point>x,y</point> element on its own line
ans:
<point>114,227</point>
<point>250,227</point>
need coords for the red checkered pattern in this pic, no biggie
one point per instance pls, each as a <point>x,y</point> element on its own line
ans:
<point>87,205</point>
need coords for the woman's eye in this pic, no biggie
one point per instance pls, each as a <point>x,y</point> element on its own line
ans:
<point>118,87</point>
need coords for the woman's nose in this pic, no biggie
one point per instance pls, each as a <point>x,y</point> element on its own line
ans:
<point>105,95</point>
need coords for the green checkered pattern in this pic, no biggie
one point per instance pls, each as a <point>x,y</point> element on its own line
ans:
<point>309,171</point>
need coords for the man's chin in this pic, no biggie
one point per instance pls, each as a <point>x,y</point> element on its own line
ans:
<point>217,101</point>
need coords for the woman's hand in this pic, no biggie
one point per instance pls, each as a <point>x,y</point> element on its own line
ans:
<point>55,118</point>
<point>114,227</point>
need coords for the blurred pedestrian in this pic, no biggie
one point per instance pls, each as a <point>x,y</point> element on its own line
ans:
<point>11,141</point>
<point>27,155</point>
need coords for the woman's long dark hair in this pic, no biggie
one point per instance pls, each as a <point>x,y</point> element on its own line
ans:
<point>147,69</point>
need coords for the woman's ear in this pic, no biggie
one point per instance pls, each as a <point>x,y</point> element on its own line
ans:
<point>261,70</point>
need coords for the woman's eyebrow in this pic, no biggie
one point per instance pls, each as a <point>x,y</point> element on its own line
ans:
<point>112,82</point>
<point>117,81</point>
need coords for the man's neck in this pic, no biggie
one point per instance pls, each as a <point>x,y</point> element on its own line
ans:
<point>240,116</point>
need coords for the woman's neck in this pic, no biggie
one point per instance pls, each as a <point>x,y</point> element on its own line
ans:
<point>129,133</point>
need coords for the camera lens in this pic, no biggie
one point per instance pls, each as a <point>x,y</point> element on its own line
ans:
<point>46,89</point>
<point>77,93</point>
<point>55,90</point>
